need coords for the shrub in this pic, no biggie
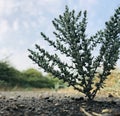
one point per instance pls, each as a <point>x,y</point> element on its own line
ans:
<point>11,77</point>
<point>35,79</point>
<point>31,72</point>
<point>8,73</point>
<point>72,41</point>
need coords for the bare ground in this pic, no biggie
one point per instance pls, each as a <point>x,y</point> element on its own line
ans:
<point>51,103</point>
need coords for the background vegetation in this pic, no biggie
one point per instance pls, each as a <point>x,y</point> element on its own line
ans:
<point>11,78</point>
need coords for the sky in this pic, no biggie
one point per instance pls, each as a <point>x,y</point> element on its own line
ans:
<point>21,22</point>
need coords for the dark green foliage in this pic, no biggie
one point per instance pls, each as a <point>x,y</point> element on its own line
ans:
<point>71,40</point>
<point>31,72</point>
<point>8,74</point>
<point>35,79</point>
<point>30,78</point>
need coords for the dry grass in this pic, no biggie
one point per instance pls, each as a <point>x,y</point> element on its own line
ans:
<point>112,86</point>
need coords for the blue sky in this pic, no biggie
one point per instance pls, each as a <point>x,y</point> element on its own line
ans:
<point>21,22</point>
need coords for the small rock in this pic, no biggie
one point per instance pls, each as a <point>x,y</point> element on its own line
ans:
<point>12,98</point>
<point>46,98</point>
<point>2,97</point>
<point>79,99</point>
<point>106,111</point>
<point>113,102</point>
<point>21,106</point>
<point>110,95</point>
<point>18,96</point>
<point>50,100</point>
<point>56,104</point>
<point>72,98</point>
<point>31,108</point>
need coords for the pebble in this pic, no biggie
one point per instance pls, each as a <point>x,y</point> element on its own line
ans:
<point>2,97</point>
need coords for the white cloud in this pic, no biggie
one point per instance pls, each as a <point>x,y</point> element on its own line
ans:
<point>15,25</point>
<point>88,4</point>
<point>25,24</point>
<point>21,61</point>
<point>4,54</point>
<point>40,7</point>
<point>83,4</point>
<point>7,7</point>
<point>4,26</point>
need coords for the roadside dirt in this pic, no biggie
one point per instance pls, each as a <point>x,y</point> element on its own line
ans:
<point>45,103</point>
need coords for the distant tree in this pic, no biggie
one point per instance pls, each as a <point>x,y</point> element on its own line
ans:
<point>31,72</point>
<point>8,73</point>
<point>72,41</point>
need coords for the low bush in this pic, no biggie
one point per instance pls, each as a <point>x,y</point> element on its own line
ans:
<point>81,64</point>
<point>30,78</point>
